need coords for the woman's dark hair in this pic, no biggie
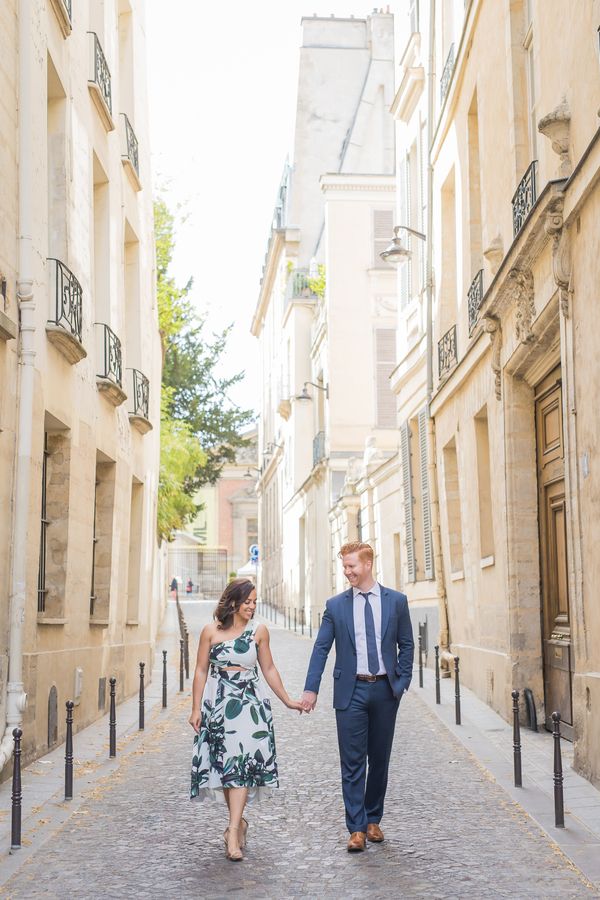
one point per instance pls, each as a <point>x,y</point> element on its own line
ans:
<point>236,593</point>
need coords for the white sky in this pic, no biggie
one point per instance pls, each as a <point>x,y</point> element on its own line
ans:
<point>222,80</point>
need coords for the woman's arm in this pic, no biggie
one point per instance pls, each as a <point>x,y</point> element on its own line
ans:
<point>200,675</point>
<point>269,670</point>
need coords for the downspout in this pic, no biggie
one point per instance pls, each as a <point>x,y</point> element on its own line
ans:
<point>16,698</point>
<point>444,635</point>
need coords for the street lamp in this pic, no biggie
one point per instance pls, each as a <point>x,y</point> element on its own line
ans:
<point>396,253</point>
<point>248,473</point>
<point>304,395</point>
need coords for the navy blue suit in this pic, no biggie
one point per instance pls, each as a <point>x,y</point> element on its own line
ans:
<point>365,711</point>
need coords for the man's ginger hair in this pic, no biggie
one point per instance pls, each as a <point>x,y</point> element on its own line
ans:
<point>365,551</point>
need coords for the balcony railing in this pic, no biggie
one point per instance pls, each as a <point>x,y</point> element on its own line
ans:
<point>447,74</point>
<point>524,197</point>
<point>109,357</point>
<point>318,447</point>
<point>129,149</point>
<point>474,299</point>
<point>447,356</point>
<point>298,286</point>
<point>67,6</point>
<point>139,394</point>
<point>100,73</point>
<point>68,295</point>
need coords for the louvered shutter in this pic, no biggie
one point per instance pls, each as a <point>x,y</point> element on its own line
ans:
<point>425,496</point>
<point>383,232</point>
<point>409,532</point>
<point>385,361</point>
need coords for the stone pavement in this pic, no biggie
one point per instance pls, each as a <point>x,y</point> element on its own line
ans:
<point>451,831</point>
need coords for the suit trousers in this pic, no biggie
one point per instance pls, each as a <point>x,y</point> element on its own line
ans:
<point>365,735</point>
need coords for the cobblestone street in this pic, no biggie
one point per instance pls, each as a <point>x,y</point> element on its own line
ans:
<point>450,830</point>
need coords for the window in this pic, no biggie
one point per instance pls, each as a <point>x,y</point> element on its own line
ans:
<point>44,529</point>
<point>474,188</point>
<point>57,162</point>
<point>425,499</point>
<point>135,551</point>
<point>385,362</point>
<point>252,532</point>
<point>484,490</point>
<point>383,232</point>
<point>54,521</point>
<point>447,313</point>
<point>102,539</point>
<point>453,512</point>
<point>407,491</point>
<point>101,245</point>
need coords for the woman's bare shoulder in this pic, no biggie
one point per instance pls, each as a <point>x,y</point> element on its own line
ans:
<point>209,631</point>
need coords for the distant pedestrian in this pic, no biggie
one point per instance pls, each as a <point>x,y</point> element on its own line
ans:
<point>189,586</point>
<point>234,746</point>
<point>374,646</point>
<point>174,589</point>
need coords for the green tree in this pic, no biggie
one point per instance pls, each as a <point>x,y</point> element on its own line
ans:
<point>180,456</point>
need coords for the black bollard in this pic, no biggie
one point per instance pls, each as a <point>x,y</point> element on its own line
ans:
<point>69,752</point>
<point>456,691</point>
<point>517,740</point>
<point>112,720</point>
<point>164,683</point>
<point>181,655</point>
<point>141,719</point>
<point>437,674</point>
<point>420,660</point>
<point>15,833</point>
<point>186,636</point>
<point>295,629</point>
<point>559,805</point>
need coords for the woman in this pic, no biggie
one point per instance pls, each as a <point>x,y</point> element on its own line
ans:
<point>234,746</point>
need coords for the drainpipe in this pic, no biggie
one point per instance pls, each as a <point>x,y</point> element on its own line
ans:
<point>16,698</point>
<point>444,635</point>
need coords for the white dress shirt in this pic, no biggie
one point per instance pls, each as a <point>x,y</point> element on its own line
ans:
<point>360,634</point>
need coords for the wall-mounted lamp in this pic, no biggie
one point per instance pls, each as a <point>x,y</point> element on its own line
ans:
<point>248,474</point>
<point>396,253</point>
<point>271,447</point>
<point>304,395</point>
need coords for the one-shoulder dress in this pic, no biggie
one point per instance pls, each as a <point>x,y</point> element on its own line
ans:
<point>235,746</point>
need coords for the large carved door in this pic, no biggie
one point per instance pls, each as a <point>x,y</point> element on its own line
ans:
<point>556,622</point>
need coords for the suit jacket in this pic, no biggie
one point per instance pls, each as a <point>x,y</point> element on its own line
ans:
<point>397,645</point>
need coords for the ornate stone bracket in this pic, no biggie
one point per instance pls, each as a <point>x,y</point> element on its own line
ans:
<point>492,326</point>
<point>522,280</point>
<point>561,256</point>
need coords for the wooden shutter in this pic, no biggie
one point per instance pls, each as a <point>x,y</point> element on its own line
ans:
<point>385,362</point>
<point>383,232</point>
<point>409,533</point>
<point>428,565</point>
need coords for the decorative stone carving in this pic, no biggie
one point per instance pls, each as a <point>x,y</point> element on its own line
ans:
<point>354,472</point>
<point>495,254</point>
<point>561,256</point>
<point>373,455</point>
<point>556,126</point>
<point>522,280</point>
<point>492,326</point>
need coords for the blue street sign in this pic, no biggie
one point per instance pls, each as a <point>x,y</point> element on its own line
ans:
<point>253,552</point>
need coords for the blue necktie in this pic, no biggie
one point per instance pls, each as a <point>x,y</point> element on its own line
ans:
<point>372,657</point>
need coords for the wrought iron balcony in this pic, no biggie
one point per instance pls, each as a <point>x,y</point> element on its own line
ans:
<point>474,299</point>
<point>318,447</point>
<point>64,326</point>
<point>447,74</point>
<point>524,197</point>
<point>64,14</point>
<point>447,356</point>
<point>99,80</point>
<point>129,150</point>
<point>138,391</point>
<point>109,361</point>
<point>298,286</point>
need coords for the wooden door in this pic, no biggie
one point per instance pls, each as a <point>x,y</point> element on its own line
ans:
<point>556,622</point>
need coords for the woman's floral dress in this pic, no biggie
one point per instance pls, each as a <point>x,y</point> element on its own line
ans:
<point>235,746</point>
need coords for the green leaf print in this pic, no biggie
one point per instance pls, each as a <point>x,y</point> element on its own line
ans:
<point>254,715</point>
<point>233,708</point>
<point>241,645</point>
<point>262,713</point>
<point>259,735</point>
<point>259,757</point>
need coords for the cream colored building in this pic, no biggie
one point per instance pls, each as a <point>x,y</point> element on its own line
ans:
<point>326,343</point>
<point>80,581</point>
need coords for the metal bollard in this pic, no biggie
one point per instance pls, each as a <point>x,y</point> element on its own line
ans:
<point>181,655</point>
<point>420,660</point>
<point>112,720</point>
<point>437,674</point>
<point>559,805</point>
<point>456,691</point>
<point>516,741</point>
<point>15,832</point>
<point>164,681</point>
<point>141,718</point>
<point>187,652</point>
<point>69,752</point>
<point>295,629</point>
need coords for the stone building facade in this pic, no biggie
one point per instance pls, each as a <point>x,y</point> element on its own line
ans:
<point>80,580</point>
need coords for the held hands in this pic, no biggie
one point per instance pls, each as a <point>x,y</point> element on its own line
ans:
<point>295,704</point>
<point>309,701</point>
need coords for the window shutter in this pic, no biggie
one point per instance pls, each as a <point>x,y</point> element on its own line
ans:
<point>425,496</point>
<point>383,232</point>
<point>409,534</point>
<point>385,361</point>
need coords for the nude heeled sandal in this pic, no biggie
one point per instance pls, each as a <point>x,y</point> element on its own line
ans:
<point>237,855</point>
<point>243,837</point>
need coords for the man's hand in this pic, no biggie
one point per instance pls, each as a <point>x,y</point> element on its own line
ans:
<point>309,701</point>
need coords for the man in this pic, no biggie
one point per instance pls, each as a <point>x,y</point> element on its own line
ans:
<point>374,650</point>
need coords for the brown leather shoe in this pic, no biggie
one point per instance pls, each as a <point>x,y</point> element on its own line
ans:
<point>357,842</point>
<point>374,833</point>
